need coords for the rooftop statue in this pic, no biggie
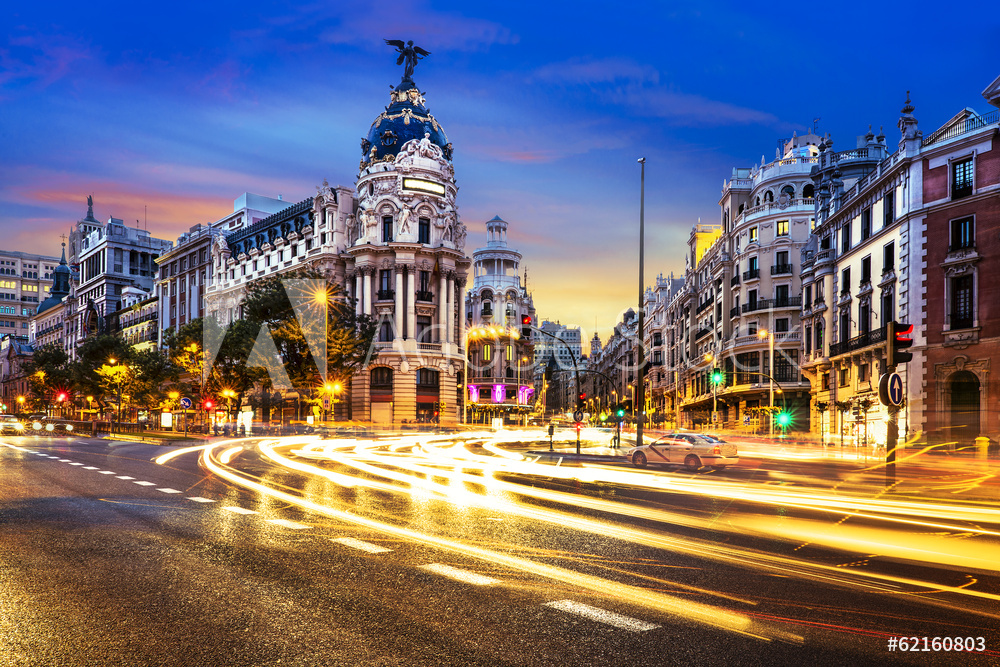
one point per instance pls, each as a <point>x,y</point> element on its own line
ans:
<point>408,53</point>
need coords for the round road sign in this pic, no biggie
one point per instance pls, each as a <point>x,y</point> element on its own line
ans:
<point>578,416</point>
<point>186,403</point>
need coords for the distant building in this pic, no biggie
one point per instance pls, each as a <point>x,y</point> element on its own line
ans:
<point>25,279</point>
<point>137,322</point>
<point>500,368</point>
<point>15,352</point>
<point>558,361</point>
<point>52,319</point>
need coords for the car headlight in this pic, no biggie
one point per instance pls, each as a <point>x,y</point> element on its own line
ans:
<point>69,427</point>
<point>18,426</point>
<point>50,427</point>
<point>36,425</point>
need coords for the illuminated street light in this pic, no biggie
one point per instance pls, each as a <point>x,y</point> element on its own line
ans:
<point>769,335</point>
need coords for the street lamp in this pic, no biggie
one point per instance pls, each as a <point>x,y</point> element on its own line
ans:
<point>20,404</point>
<point>229,394</point>
<point>641,358</point>
<point>764,333</point>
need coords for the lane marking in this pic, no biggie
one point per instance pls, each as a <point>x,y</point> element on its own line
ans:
<point>288,524</point>
<point>460,575</point>
<point>239,510</point>
<point>90,468</point>
<point>106,472</point>
<point>199,499</point>
<point>602,615</point>
<point>360,544</point>
<point>141,483</point>
<point>168,490</point>
<point>65,460</point>
<point>125,477</point>
<point>76,464</point>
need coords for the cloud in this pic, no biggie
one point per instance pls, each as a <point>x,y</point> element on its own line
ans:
<point>687,109</point>
<point>40,60</point>
<point>583,71</point>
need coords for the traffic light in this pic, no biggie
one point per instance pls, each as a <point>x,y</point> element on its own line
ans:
<point>61,397</point>
<point>580,399</point>
<point>784,419</point>
<point>627,406</point>
<point>900,337</point>
<point>526,326</point>
<point>208,405</point>
<point>718,377</point>
<point>620,410</point>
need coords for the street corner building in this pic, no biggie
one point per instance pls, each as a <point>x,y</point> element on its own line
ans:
<point>394,241</point>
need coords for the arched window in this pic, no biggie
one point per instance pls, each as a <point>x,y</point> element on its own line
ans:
<point>381,380</point>
<point>808,190</point>
<point>768,196</point>
<point>788,191</point>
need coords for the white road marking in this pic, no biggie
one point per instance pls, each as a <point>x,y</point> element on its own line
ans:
<point>125,477</point>
<point>76,464</point>
<point>90,468</point>
<point>602,615</point>
<point>141,483</point>
<point>64,460</point>
<point>166,490</point>
<point>287,524</point>
<point>199,499</point>
<point>360,544</point>
<point>460,575</point>
<point>239,510</point>
<point>106,472</point>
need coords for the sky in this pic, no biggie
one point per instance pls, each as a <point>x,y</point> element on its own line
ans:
<point>166,112</point>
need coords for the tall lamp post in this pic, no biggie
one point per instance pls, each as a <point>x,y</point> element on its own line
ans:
<point>640,382</point>
<point>764,333</point>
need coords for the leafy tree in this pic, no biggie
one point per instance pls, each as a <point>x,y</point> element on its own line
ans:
<point>48,375</point>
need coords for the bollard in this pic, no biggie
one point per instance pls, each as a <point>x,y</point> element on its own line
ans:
<point>982,450</point>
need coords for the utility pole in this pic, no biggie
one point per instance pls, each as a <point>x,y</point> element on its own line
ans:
<point>640,382</point>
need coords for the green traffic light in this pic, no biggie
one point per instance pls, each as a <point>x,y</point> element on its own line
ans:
<point>784,419</point>
<point>717,377</point>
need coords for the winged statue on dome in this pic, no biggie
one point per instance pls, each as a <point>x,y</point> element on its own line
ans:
<point>407,53</point>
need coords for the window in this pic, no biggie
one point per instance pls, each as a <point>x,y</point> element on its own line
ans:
<point>845,376</point>
<point>862,373</point>
<point>845,238</point>
<point>961,302</point>
<point>425,281</point>
<point>866,223</point>
<point>845,281</point>
<point>809,294</point>
<point>782,228</point>
<point>887,302</point>
<point>382,379</point>
<point>385,332</point>
<point>888,257</point>
<point>781,296</point>
<point>864,316</point>
<point>961,234</point>
<point>961,179</point>
<point>487,352</point>
<point>424,230</point>
<point>845,325</point>
<point>866,270</point>
<point>781,325</point>
<point>824,244</point>
<point>386,228</point>
<point>808,340</point>
<point>752,264</point>
<point>385,290</point>
<point>753,235</point>
<point>889,208</point>
<point>427,377</point>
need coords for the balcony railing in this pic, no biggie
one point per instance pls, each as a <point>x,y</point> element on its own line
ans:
<point>873,337</point>
<point>734,311</point>
<point>385,295</point>
<point>752,274</point>
<point>779,269</point>
<point>735,280</point>
<point>425,295</point>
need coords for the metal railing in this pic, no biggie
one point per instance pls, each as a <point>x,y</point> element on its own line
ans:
<point>735,280</point>
<point>873,337</point>
<point>385,295</point>
<point>970,124</point>
<point>778,269</point>
<point>751,274</point>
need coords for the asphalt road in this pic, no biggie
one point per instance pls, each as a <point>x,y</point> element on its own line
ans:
<point>108,558</point>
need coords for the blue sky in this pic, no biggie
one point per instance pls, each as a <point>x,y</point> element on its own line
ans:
<point>168,111</point>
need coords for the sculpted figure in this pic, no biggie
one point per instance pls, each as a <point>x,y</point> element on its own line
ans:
<point>459,236</point>
<point>351,226</point>
<point>407,53</point>
<point>404,222</point>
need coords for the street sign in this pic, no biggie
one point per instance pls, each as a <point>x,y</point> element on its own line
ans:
<point>578,416</point>
<point>715,417</point>
<point>890,389</point>
<point>326,402</point>
<point>186,403</point>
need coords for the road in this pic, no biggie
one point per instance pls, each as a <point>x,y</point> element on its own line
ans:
<point>301,551</point>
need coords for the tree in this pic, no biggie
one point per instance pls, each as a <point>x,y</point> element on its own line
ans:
<point>48,375</point>
<point>305,310</point>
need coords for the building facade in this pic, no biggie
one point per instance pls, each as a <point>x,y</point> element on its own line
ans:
<point>500,375</point>
<point>25,280</point>
<point>396,244</point>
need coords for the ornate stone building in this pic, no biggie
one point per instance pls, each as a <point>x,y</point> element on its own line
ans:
<point>500,370</point>
<point>396,244</point>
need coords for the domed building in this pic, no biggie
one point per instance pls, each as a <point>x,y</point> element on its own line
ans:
<point>499,308</point>
<point>396,243</point>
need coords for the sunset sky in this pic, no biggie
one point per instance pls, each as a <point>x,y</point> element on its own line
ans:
<point>166,112</point>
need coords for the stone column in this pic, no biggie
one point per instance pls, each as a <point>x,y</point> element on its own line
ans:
<point>461,313</point>
<point>367,291</point>
<point>397,313</point>
<point>411,306</point>
<point>450,318</point>
<point>358,294</point>
<point>443,308</point>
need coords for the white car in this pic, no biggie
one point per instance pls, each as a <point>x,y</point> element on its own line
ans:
<point>11,423</point>
<point>692,450</point>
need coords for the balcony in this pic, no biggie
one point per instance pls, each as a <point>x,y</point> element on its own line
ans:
<point>702,332</point>
<point>781,269</point>
<point>734,311</point>
<point>425,295</point>
<point>752,274</point>
<point>735,280</point>
<point>752,306</point>
<point>385,295</point>
<point>873,337</point>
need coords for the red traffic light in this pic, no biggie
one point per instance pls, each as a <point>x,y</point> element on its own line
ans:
<point>208,405</point>
<point>61,397</point>
<point>583,395</point>
<point>526,319</point>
